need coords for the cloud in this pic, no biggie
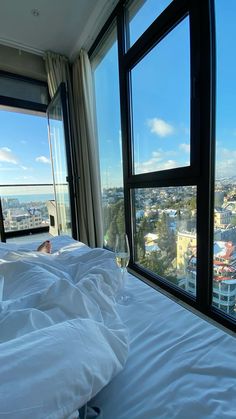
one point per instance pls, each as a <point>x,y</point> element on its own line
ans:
<point>8,169</point>
<point>225,162</point>
<point>160,127</point>
<point>7,156</point>
<point>225,168</point>
<point>43,159</point>
<point>223,152</point>
<point>158,161</point>
<point>184,147</point>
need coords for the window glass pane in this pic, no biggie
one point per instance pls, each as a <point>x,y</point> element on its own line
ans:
<point>140,15</point>
<point>24,90</point>
<point>24,160</point>
<point>165,233</point>
<point>161,104</point>
<point>224,262</point>
<point>109,137</point>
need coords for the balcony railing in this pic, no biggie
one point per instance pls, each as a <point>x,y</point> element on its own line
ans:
<point>23,209</point>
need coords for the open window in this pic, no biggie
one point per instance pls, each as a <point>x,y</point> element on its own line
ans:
<point>61,212</point>
<point>36,174</point>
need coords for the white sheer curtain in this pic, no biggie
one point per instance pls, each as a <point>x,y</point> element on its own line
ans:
<point>84,142</point>
<point>58,71</point>
<point>87,151</point>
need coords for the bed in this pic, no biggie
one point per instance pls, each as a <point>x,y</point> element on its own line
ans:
<point>61,338</point>
<point>161,360</point>
<point>179,365</point>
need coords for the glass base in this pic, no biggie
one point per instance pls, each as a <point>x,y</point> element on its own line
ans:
<point>123,298</point>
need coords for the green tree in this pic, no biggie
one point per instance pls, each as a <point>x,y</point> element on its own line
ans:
<point>114,222</point>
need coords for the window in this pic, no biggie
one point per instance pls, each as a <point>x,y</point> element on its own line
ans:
<point>165,232</point>
<point>225,159</point>
<point>106,80</point>
<point>140,14</point>
<point>25,168</point>
<point>167,70</point>
<point>12,86</point>
<point>161,104</point>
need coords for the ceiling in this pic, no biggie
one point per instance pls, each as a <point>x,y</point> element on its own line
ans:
<point>62,26</point>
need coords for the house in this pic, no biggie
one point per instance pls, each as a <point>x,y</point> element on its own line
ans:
<point>224,276</point>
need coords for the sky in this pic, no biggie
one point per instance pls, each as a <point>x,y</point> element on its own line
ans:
<point>24,149</point>
<point>161,109</point>
<point>161,99</point>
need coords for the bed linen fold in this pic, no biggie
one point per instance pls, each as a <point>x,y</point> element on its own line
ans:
<point>179,366</point>
<point>61,338</point>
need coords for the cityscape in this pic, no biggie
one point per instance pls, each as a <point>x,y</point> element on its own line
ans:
<point>164,224</point>
<point>165,239</point>
<point>24,214</point>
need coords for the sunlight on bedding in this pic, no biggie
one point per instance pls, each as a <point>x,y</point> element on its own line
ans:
<point>62,339</point>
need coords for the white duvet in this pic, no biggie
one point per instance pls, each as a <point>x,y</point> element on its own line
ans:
<point>61,339</point>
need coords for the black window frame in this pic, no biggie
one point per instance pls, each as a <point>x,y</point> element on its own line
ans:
<point>21,103</point>
<point>201,171</point>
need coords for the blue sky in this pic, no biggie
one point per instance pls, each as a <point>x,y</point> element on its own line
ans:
<point>161,99</point>
<point>161,120</point>
<point>24,149</point>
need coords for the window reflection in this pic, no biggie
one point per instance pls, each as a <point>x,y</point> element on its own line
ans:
<point>106,79</point>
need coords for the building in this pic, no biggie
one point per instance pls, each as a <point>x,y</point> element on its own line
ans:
<point>224,276</point>
<point>17,219</point>
<point>186,247</point>
<point>222,217</point>
<point>151,243</point>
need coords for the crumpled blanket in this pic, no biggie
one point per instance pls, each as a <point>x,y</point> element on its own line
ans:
<point>61,339</point>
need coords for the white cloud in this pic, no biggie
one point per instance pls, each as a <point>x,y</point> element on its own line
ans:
<point>43,159</point>
<point>7,156</point>
<point>160,127</point>
<point>226,153</point>
<point>185,147</point>
<point>225,162</point>
<point>158,161</point>
<point>8,169</point>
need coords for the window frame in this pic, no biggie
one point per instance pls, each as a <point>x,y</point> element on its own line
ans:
<point>22,103</point>
<point>201,170</point>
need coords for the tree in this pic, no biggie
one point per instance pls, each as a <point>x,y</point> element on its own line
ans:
<point>114,222</point>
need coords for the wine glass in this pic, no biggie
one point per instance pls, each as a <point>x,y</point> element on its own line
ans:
<point>122,255</point>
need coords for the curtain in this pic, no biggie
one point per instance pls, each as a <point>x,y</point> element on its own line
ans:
<point>58,71</point>
<point>91,224</point>
<point>83,142</point>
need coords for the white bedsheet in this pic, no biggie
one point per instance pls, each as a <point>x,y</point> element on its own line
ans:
<point>61,339</point>
<point>179,366</point>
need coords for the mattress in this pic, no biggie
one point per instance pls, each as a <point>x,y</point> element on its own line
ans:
<point>179,365</point>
